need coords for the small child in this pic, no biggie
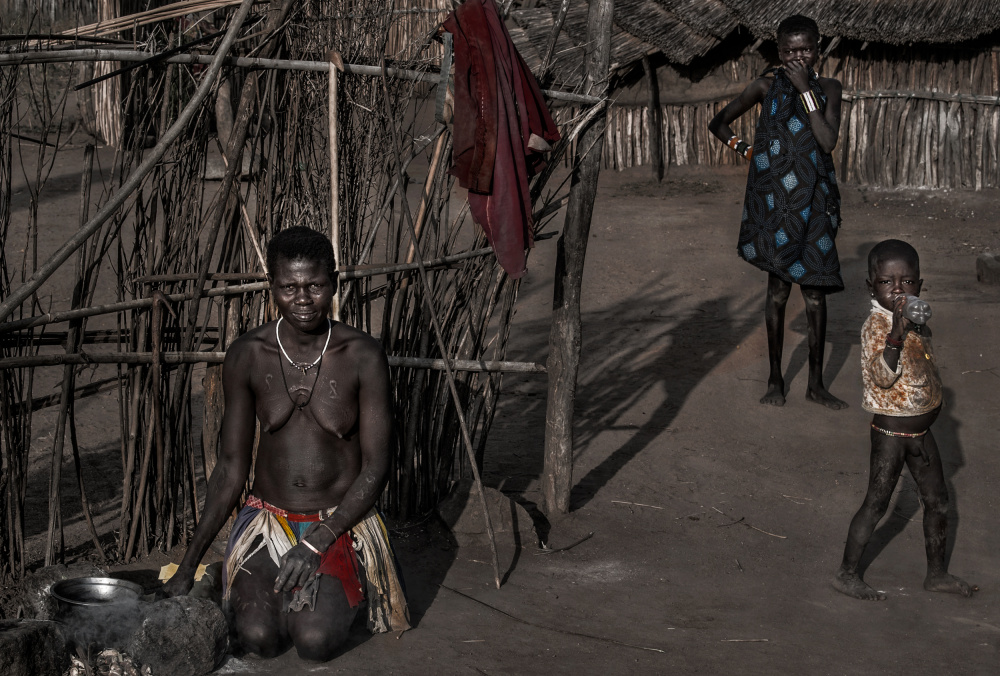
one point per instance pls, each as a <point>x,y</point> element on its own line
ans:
<point>903,389</point>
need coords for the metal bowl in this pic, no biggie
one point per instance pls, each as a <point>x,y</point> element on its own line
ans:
<point>95,591</point>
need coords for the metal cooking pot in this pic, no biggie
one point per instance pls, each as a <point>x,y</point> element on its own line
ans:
<point>99,611</point>
<point>94,591</point>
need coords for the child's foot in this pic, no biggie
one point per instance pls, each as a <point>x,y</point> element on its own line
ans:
<point>775,395</point>
<point>949,584</point>
<point>819,395</point>
<point>852,585</point>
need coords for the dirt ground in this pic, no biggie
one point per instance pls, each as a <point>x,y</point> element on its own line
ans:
<point>717,522</point>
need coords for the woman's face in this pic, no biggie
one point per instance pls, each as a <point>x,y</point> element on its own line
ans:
<point>303,291</point>
<point>801,47</point>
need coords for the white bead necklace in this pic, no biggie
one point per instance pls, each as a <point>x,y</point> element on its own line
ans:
<point>303,366</point>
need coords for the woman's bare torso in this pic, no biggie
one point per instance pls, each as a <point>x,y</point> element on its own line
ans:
<point>308,450</point>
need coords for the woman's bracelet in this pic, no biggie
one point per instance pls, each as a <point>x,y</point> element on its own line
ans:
<point>809,102</point>
<point>893,343</point>
<point>740,146</point>
<point>311,548</point>
<point>329,529</point>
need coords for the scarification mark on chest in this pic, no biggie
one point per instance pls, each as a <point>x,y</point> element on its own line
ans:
<point>267,382</point>
<point>333,389</point>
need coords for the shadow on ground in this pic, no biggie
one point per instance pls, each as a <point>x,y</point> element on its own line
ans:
<point>646,355</point>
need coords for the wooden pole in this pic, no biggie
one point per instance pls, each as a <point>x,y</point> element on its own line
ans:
<point>124,306</point>
<point>654,121</point>
<point>347,272</point>
<point>402,292</point>
<point>244,219</point>
<point>439,338</point>
<point>557,25</point>
<point>73,339</point>
<point>212,384</point>
<point>156,322</point>
<point>564,336</point>
<point>336,66</point>
<point>70,55</point>
<point>204,357</point>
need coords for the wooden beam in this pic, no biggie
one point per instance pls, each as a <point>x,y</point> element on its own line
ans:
<point>205,357</point>
<point>70,55</point>
<point>346,272</point>
<point>565,334</point>
<point>654,119</point>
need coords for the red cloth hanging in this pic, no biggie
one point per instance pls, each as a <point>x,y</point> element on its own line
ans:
<point>501,128</point>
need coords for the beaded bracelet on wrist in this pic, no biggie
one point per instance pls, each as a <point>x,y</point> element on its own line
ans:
<point>809,101</point>
<point>740,146</point>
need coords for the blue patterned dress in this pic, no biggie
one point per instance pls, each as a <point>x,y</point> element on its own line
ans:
<point>791,211</point>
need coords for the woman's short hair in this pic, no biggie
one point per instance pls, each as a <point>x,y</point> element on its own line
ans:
<point>302,243</point>
<point>796,24</point>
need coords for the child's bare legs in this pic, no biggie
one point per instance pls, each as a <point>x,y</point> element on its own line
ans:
<point>929,477</point>
<point>774,320</point>
<point>816,315</point>
<point>888,455</point>
<point>886,464</point>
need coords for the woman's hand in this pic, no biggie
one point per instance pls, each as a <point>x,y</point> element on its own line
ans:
<point>296,567</point>
<point>799,74</point>
<point>179,584</point>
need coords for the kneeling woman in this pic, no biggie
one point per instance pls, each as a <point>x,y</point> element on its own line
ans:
<point>308,546</point>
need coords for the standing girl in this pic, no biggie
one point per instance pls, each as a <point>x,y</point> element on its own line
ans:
<point>791,211</point>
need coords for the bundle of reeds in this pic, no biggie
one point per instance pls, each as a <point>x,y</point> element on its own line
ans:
<point>15,386</point>
<point>110,21</point>
<point>180,240</point>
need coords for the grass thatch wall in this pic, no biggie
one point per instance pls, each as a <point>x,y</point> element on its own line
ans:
<point>918,116</point>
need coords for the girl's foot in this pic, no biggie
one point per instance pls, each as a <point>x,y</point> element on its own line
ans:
<point>819,395</point>
<point>775,395</point>
<point>949,584</point>
<point>852,585</point>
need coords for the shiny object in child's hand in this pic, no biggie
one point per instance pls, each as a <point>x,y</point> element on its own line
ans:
<point>917,310</point>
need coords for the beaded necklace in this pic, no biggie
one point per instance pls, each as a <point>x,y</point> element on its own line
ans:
<point>302,366</point>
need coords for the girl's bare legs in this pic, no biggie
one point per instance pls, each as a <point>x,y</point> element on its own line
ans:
<point>774,319</point>
<point>816,315</point>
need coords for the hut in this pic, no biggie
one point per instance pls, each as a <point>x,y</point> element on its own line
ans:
<point>167,265</point>
<point>920,77</point>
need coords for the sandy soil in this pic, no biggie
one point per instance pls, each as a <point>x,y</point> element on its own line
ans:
<point>717,522</point>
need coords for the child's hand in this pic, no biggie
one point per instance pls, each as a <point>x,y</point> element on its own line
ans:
<point>900,324</point>
<point>798,73</point>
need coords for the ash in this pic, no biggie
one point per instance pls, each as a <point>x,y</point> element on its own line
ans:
<point>108,662</point>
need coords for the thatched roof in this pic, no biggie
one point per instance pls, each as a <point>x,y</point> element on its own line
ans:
<point>684,30</point>
<point>533,31</point>
<point>708,17</point>
<point>889,21</point>
<point>651,21</point>
<point>531,37</point>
